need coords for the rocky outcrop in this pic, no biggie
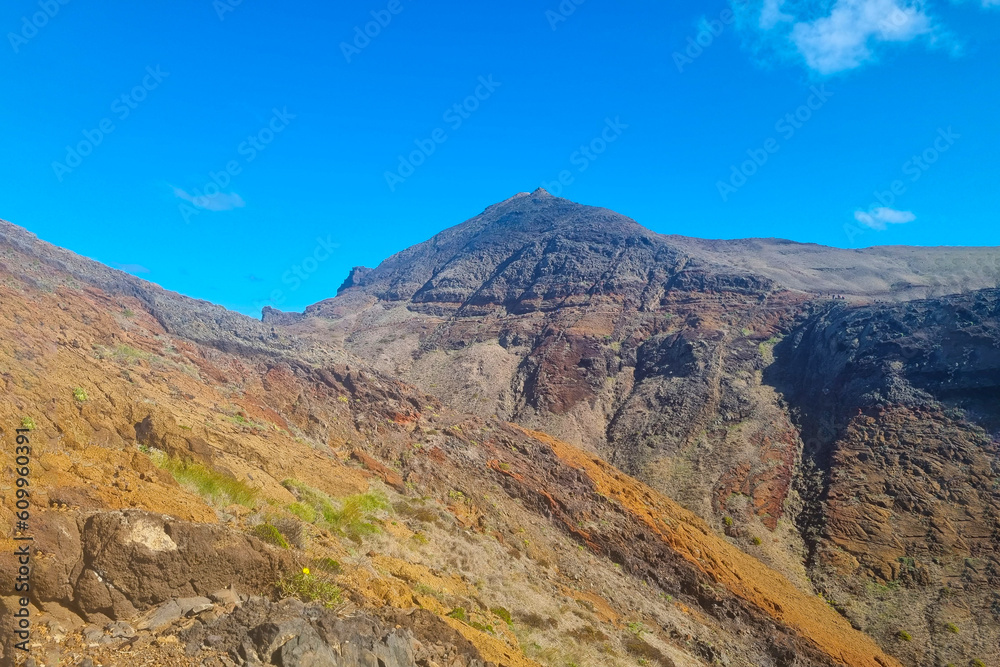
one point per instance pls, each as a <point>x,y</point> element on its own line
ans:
<point>354,278</point>
<point>112,565</point>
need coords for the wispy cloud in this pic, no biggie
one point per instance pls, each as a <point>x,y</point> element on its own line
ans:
<point>771,14</point>
<point>833,36</point>
<point>880,218</point>
<point>220,201</point>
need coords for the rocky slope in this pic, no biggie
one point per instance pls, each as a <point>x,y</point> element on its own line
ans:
<point>681,362</point>
<point>208,491</point>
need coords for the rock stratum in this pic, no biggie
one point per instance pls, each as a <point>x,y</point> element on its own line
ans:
<point>547,436</point>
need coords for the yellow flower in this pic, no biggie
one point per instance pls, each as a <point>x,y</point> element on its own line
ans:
<point>305,570</point>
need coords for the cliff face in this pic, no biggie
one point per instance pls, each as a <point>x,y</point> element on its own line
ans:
<point>899,408</point>
<point>189,464</point>
<point>700,368</point>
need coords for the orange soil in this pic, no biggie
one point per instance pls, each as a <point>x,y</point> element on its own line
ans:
<point>743,575</point>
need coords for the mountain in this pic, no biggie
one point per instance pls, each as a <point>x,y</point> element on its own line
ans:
<point>206,489</point>
<point>831,412</point>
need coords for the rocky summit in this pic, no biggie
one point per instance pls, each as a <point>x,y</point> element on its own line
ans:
<point>546,436</point>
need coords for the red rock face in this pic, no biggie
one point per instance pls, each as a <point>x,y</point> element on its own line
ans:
<point>766,480</point>
<point>914,486</point>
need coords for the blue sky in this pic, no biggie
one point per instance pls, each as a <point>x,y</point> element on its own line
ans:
<point>250,153</point>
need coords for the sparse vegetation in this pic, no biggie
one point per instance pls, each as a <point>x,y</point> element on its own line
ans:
<point>459,614</point>
<point>951,627</point>
<point>728,521</point>
<point>904,636</point>
<point>241,420</point>
<point>129,354</point>
<point>588,634</point>
<point>416,509</point>
<point>644,652</point>
<point>637,629</point>
<point>756,541</point>
<point>310,588</point>
<point>766,348</point>
<point>80,394</point>
<point>217,487</point>
<point>28,423</point>
<point>328,565</point>
<point>887,587</point>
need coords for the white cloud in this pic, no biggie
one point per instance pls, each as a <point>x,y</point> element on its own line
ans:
<point>846,37</point>
<point>880,218</point>
<point>221,201</point>
<point>833,36</point>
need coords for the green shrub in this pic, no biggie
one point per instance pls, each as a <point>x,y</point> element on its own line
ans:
<point>459,613</point>
<point>905,636</point>
<point>978,663</point>
<point>353,519</point>
<point>28,423</point>
<point>503,614</point>
<point>291,528</point>
<point>303,511</point>
<point>218,487</point>
<point>310,588</point>
<point>756,540</point>
<point>321,503</point>
<point>268,533</point>
<point>728,521</point>
<point>79,394</point>
<point>951,627</point>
